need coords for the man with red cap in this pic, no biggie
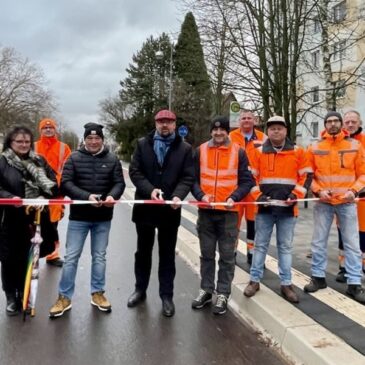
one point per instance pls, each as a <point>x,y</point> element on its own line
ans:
<point>161,169</point>
<point>56,154</point>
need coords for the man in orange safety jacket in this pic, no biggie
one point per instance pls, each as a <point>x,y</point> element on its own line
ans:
<point>249,138</point>
<point>352,124</point>
<point>56,154</point>
<point>283,175</point>
<point>338,163</point>
<point>222,175</point>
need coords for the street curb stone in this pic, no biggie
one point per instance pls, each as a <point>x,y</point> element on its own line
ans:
<point>298,337</point>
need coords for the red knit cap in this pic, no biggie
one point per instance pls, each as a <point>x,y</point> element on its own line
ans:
<point>165,114</point>
<point>47,123</point>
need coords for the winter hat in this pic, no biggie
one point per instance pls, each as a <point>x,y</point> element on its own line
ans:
<point>165,114</point>
<point>93,129</point>
<point>276,119</point>
<point>220,122</point>
<point>47,123</point>
<point>333,114</point>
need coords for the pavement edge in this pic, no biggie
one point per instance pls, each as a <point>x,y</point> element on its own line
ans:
<point>278,323</point>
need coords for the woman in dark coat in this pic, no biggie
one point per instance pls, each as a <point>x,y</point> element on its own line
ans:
<point>23,174</point>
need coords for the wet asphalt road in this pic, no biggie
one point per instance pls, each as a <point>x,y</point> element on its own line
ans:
<point>126,336</point>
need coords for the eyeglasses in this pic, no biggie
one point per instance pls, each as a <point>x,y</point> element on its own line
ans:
<point>47,128</point>
<point>21,141</point>
<point>333,121</point>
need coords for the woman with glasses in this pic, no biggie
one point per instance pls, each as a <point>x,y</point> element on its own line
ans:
<point>23,174</point>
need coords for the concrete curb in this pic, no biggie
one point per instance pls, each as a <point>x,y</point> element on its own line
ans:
<point>297,336</point>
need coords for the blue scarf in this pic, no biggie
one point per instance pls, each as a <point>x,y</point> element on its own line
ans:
<point>161,145</point>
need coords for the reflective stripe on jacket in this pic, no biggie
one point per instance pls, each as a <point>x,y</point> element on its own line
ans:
<point>338,163</point>
<point>279,174</point>
<point>219,171</point>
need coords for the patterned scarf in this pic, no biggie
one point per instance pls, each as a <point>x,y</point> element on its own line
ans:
<point>34,177</point>
<point>161,145</point>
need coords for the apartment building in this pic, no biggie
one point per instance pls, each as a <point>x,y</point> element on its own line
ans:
<point>346,67</point>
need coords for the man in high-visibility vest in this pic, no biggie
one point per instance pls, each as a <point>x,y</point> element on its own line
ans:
<point>56,154</point>
<point>338,164</point>
<point>352,124</point>
<point>282,173</point>
<point>249,139</point>
<point>222,175</point>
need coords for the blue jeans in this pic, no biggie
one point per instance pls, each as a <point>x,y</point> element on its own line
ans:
<point>76,236</point>
<point>346,214</point>
<point>284,242</point>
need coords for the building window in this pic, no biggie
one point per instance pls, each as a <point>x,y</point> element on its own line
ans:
<point>315,59</point>
<point>339,12</point>
<point>316,25</point>
<point>339,50</point>
<point>315,94</point>
<point>314,129</point>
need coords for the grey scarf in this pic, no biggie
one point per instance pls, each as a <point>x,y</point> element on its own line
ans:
<point>34,176</point>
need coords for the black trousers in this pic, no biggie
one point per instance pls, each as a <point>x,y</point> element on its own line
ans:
<point>13,271</point>
<point>166,236</point>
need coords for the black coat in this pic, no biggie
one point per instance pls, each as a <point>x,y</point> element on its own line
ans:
<point>85,174</point>
<point>174,178</point>
<point>16,227</point>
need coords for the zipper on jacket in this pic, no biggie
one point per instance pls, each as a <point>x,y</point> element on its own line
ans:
<point>216,173</point>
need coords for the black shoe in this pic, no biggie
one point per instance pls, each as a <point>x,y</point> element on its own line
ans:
<point>201,300</point>
<point>340,277</point>
<point>136,298</point>
<point>168,307</point>
<point>315,284</point>
<point>249,258</point>
<point>356,292</point>
<point>58,262</point>
<point>221,304</point>
<point>12,305</point>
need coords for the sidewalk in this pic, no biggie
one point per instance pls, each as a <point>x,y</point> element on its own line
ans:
<point>291,328</point>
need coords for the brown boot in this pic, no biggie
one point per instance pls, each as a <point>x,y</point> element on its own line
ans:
<point>289,294</point>
<point>251,289</point>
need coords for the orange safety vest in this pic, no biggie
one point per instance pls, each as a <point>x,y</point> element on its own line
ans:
<point>280,173</point>
<point>219,171</point>
<point>56,153</point>
<point>256,140</point>
<point>338,163</point>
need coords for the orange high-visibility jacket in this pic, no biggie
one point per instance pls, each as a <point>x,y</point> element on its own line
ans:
<point>360,136</point>
<point>338,164</point>
<point>223,173</point>
<point>279,174</point>
<point>56,153</point>
<point>256,140</point>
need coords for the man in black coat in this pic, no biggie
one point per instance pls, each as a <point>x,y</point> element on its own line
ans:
<point>161,169</point>
<point>91,173</point>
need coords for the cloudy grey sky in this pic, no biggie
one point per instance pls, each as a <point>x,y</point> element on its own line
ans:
<point>83,46</point>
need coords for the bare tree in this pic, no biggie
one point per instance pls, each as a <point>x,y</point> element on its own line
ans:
<point>24,97</point>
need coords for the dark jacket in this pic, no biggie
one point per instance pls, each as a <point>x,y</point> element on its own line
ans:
<point>16,227</point>
<point>85,174</point>
<point>174,178</point>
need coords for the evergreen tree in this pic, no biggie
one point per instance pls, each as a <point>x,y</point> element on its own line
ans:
<point>193,100</point>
